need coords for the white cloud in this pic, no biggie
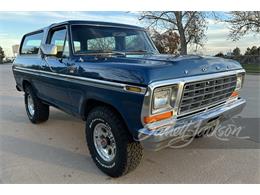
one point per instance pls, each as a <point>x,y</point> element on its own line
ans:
<point>13,15</point>
<point>49,16</point>
<point>2,35</point>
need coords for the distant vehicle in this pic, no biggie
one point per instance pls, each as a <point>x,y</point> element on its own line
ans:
<point>112,76</point>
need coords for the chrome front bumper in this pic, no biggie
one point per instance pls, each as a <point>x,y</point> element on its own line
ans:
<point>158,138</point>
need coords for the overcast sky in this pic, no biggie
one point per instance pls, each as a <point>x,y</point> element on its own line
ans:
<point>14,24</point>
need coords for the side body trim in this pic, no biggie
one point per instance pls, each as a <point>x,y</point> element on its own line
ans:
<point>82,80</point>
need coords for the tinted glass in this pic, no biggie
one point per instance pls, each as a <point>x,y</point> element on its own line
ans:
<point>132,42</point>
<point>66,51</point>
<point>58,39</point>
<point>31,43</point>
<point>106,43</point>
<point>99,39</point>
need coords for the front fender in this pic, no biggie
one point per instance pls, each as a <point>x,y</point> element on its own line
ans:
<point>128,105</point>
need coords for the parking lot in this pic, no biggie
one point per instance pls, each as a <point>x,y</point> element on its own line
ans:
<point>56,152</point>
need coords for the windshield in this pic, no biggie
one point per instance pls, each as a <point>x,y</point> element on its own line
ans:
<point>99,39</point>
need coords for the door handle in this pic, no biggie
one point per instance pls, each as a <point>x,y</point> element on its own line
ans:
<point>72,68</point>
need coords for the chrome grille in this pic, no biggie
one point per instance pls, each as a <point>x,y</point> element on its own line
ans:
<point>201,94</point>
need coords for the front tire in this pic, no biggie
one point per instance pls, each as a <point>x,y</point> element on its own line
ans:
<point>37,112</point>
<point>111,146</point>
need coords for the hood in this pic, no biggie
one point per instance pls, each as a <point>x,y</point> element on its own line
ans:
<point>143,70</point>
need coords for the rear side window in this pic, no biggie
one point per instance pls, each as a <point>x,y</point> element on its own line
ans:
<point>32,43</point>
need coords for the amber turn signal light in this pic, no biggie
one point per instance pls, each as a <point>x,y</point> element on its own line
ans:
<point>133,89</point>
<point>234,94</point>
<point>158,117</point>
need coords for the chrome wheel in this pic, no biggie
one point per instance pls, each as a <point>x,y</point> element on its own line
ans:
<point>104,142</point>
<point>30,105</point>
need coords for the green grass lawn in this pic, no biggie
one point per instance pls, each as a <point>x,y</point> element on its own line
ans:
<point>251,68</point>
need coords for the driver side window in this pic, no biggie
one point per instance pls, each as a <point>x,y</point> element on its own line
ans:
<point>59,38</point>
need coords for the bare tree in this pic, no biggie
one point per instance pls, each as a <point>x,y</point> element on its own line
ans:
<point>243,23</point>
<point>167,42</point>
<point>190,25</point>
<point>101,44</point>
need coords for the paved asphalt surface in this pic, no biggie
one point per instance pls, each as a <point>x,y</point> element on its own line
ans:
<point>56,152</point>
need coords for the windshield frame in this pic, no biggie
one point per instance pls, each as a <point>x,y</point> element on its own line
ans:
<point>147,37</point>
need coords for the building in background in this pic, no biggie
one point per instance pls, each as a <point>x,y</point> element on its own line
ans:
<point>15,49</point>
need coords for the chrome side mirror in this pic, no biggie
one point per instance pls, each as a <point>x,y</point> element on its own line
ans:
<point>49,49</point>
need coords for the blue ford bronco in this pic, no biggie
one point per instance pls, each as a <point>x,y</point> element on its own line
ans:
<point>131,97</point>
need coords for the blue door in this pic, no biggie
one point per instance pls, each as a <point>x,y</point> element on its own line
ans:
<point>55,85</point>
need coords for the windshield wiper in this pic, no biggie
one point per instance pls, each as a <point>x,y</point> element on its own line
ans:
<point>113,52</point>
<point>140,51</point>
<point>105,52</point>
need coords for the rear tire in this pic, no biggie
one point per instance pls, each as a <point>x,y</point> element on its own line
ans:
<point>117,154</point>
<point>37,112</point>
